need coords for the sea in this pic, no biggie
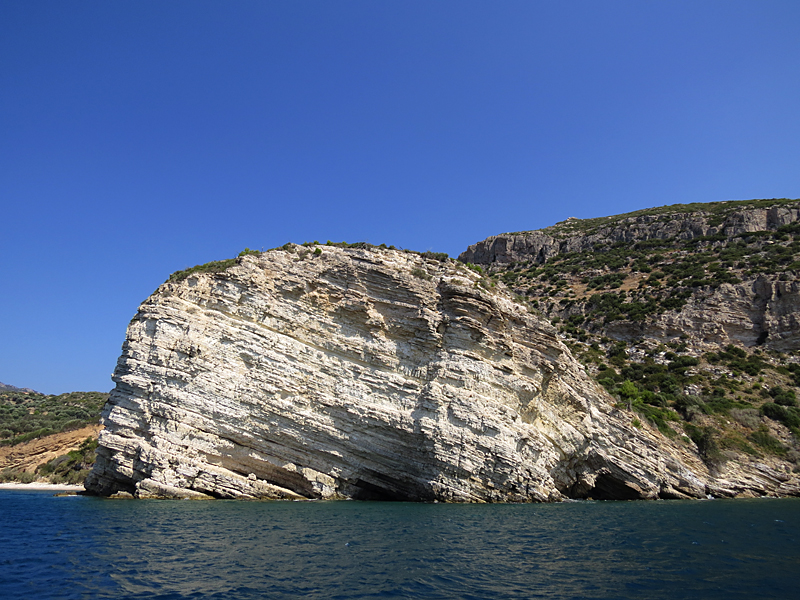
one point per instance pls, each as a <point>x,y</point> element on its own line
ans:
<point>83,547</point>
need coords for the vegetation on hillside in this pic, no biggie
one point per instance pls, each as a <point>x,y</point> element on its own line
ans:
<point>718,212</point>
<point>728,400</point>
<point>215,266</point>
<point>71,468</point>
<point>28,415</point>
<point>620,280</point>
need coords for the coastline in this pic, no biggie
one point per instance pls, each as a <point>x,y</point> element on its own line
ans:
<point>53,487</point>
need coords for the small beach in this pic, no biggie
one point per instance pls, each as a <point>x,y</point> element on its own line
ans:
<point>55,487</point>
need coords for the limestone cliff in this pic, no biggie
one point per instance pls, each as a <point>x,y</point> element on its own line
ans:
<point>371,374</point>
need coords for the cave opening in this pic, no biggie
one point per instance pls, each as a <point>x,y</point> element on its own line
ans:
<point>608,487</point>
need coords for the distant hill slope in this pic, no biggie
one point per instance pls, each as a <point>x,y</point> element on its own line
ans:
<point>25,415</point>
<point>11,388</point>
<point>689,314</point>
<point>64,457</point>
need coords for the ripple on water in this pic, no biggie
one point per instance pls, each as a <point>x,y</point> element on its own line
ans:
<point>91,548</point>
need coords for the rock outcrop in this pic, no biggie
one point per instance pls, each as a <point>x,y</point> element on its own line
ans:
<point>762,308</point>
<point>577,235</point>
<point>369,374</point>
<point>29,455</point>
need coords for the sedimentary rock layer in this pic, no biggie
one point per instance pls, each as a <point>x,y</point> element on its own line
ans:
<point>567,236</point>
<point>365,373</point>
<point>27,456</point>
<point>762,309</point>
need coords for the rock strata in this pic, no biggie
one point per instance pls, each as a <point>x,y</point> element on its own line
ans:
<point>368,374</point>
<point>762,308</point>
<point>574,235</point>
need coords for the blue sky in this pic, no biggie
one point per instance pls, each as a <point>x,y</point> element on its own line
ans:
<point>140,138</point>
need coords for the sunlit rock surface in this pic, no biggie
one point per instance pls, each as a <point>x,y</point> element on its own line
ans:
<point>367,374</point>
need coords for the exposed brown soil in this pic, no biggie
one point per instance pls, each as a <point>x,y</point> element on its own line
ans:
<point>29,455</point>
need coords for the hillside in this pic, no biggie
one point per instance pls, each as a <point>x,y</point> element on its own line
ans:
<point>64,457</point>
<point>50,437</point>
<point>11,388</point>
<point>687,314</point>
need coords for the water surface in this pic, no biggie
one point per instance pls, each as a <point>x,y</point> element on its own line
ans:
<point>77,547</point>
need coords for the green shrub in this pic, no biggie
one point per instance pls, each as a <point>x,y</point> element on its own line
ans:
<point>417,272</point>
<point>783,397</point>
<point>476,268</point>
<point>735,441</point>
<point>774,411</point>
<point>689,406</point>
<point>681,363</point>
<point>72,467</point>
<point>704,439</point>
<point>18,476</point>
<point>763,439</point>
<point>788,415</point>
<point>440,256</point>
<point>216,266</point>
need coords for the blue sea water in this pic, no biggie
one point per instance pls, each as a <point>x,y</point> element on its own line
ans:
<point>79,547</point>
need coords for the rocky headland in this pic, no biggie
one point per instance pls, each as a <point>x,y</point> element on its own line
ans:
<point>336,371</point>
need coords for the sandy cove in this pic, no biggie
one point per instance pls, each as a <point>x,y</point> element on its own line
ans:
<point>53,487</point>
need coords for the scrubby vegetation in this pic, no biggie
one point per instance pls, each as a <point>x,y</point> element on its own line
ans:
<point>219,266</point>
<point>72,467</point>
<point>215,266</point>
<point>718,212</point>
<point>729,400</point>
<point>25,415</point>
<point>616,280</point>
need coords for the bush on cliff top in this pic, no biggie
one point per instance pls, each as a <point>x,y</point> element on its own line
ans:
<point>215,266</point>
<point>218,266</point>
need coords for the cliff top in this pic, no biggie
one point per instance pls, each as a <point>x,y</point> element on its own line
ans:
<point>717,211</point>
<point>304,249</point>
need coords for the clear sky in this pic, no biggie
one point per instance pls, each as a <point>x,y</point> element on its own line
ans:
<point>140,138</point>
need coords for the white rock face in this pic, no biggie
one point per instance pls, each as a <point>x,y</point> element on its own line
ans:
<point>372,374</point>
